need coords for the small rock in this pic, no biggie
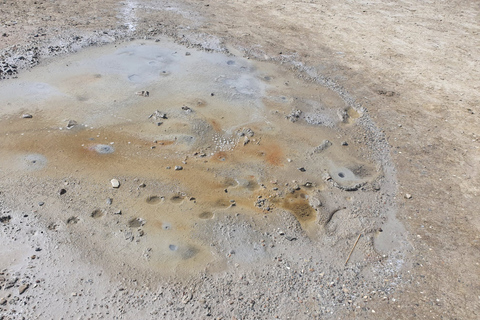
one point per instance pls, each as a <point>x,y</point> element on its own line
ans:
<point>302,169</point>
<point>143,93</point>
<point>41,203</point>
<point>23,288</point>
<point>115,183</point>
<point>290,238</point>
<point>323,146</point>
<point>117,212</point>
<point>27,116</point>
<point>281,233</point>
<point>71,124</point>
<point>62,192</point>
<point>3,302</point>
<point>187,109</point>
<point>178,168</point>
<point>187,53</point>
<point>109,201</point>
<point>344,143</point>
<point>408,196</point>
<point>74,294</point>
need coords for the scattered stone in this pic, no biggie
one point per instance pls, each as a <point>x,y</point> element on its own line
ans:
<point>386,93</point>
<point>117,212</point>
<point>109,201</point>
<point>281,233</point>
<point>302,169</point>
<point>187,53</point>
<point>294,115</point>
<point>5,219</point>
<point>3,302</point>
<point>344,143</point>
<point>408,196</point>
<point>74,294</point>
<point>27,116</point>
<point>143,185</point>
<point>158,115</point>
<point>62,192</point>
<point>187,109</point>
<point>23,288</point>
<point>246,132</point>
<point>10,283</point>
<point>323,146</point>
<point>41,203</point>
<point>115,183</point>
<point>143,93</point>
<point>71,124</point>
<point>290,238</point>
<point>178,168</point>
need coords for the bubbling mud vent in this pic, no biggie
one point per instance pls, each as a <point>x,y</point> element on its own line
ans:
<point>209,152</point>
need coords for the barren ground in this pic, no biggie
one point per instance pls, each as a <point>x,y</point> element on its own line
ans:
<point>397,80</point>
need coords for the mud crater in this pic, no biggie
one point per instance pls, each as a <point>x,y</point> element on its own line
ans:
<point>218,134</point>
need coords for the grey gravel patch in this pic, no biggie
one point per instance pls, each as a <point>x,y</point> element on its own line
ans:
<point>33,162</point>
<point>103,149</point>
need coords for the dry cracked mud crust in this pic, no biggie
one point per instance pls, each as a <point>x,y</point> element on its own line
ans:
<point>264,213</point>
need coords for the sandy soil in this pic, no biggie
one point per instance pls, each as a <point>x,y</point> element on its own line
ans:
<point>398,81</point>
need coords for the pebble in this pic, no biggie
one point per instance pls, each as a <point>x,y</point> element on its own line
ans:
<point>109,201</point>
<point>41,203</point>
<point>71,124</point>
<point>115,183</point>
<point>408,196</point>
<point>3,301</point>
<point>23,288</point>
<point>302,169</point>
<point>62,192</point>
<point>178,168</point>
<point>27,116</point>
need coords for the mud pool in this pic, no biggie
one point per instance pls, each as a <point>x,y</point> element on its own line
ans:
<point>195,139</point>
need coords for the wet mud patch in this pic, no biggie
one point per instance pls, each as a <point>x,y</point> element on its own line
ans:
<point>206,215</point>
<point>97,213</point>
<point>298,204</point>
<point>153,199</point>
<point>136,222</point>
<point>73,220</point>
<point>218,136</point>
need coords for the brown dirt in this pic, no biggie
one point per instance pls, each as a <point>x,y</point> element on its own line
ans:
<point>412,66</point>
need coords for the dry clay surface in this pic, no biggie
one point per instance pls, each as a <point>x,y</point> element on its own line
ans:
<point>219,160</point>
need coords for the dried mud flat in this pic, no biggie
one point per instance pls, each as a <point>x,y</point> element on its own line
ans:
<point>184,171</point>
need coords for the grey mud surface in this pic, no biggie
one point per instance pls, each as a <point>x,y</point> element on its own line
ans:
<point>154,167</point>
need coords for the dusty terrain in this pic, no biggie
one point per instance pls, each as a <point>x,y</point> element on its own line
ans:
<point>232,204</point>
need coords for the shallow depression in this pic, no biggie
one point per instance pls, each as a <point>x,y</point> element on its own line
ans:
<point>214,134</point>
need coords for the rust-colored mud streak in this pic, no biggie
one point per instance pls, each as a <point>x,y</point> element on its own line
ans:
<point>274,154</point>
